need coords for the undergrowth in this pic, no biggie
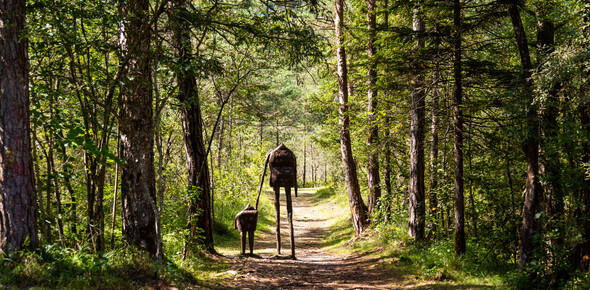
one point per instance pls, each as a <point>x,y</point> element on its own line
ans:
<point>53,266</point>
<point>56,266</point>
<point>431,262</point>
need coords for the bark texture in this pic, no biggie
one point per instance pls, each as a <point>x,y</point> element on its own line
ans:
<point>459,244</point>
<point>18,208</point>
<point>200,213</point>
<point>373,166</point>
<point>416,188</point>
<point>137,132</point>
<point>434,146</point>
<point>584,112</point>
<point>357,206</point>
<point>530,144</point>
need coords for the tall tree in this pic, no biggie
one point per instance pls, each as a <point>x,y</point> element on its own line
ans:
<point>434,128</point>
<point>18,208</point>
<point>416,188</point>
<point>458,132</point>
<point>136,129</point>
<point>373,166</point>
<point>192,129</point>
<point>584,115</point>
<point>530,144</point>
<point>357,206</point>
<point>386,132</point>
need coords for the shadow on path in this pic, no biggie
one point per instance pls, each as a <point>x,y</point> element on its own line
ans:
<point>314,267</point>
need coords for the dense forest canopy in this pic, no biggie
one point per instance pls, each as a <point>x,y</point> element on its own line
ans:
<point>457,122</point>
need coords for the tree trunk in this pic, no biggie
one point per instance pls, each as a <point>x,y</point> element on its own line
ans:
<point>18,208</point>
<point>72,219</point>
<point>584,113</point>
<point>530,144</point>
<point>458,134</point>
<point>373,166</point>
<point>115,192</point>
<point>387,156</point>
<point>137,130</point>
<point>387,149</point>
<point>200,221</point>
<point>220,137</point>
<point>278,132</point>
<point>48,185</point>
<point>434,144</point>
<point>304,161</point>
<point>95,164</point>
<point>357,206</point>
<point>416,188</point>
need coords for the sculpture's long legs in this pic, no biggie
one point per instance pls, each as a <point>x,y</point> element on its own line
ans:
<point>243,238</point>
<point>277,191</point>
<point>251,240</point>
<point>290,218</point>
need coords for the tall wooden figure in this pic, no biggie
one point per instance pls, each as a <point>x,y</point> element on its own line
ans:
<point>283,173</point>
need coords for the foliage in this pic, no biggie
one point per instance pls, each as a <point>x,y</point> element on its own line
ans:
<point>270,66</point>
<point>54,266</point>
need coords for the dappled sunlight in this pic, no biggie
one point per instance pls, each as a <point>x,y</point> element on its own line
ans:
<point>318,263</point>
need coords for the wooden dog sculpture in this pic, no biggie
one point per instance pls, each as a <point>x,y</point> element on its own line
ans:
<point>245,222</point>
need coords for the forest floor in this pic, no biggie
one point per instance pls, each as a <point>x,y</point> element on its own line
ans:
<point>317,265</point>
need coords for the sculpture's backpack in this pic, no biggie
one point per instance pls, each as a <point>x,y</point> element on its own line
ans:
<point>283,167</point>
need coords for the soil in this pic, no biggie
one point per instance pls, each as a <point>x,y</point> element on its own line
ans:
<point>314,267</point>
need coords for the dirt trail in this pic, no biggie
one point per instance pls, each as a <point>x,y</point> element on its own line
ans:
<point>314,267</point>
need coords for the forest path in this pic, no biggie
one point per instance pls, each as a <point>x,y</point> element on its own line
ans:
<point>314,267</point>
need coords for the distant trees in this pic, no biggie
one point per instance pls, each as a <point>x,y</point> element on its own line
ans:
<point>18,207</point>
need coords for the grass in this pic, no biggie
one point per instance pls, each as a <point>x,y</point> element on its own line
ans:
<point>59,267</point>
<point>126,268</point>
<point>227,239</point>
<point>431,263</point>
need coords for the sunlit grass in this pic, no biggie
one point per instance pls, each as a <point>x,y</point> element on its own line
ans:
<point>65,268</point>
<point>431,265</point>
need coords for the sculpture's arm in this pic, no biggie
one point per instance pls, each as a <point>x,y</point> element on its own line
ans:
<point>262,180</point>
